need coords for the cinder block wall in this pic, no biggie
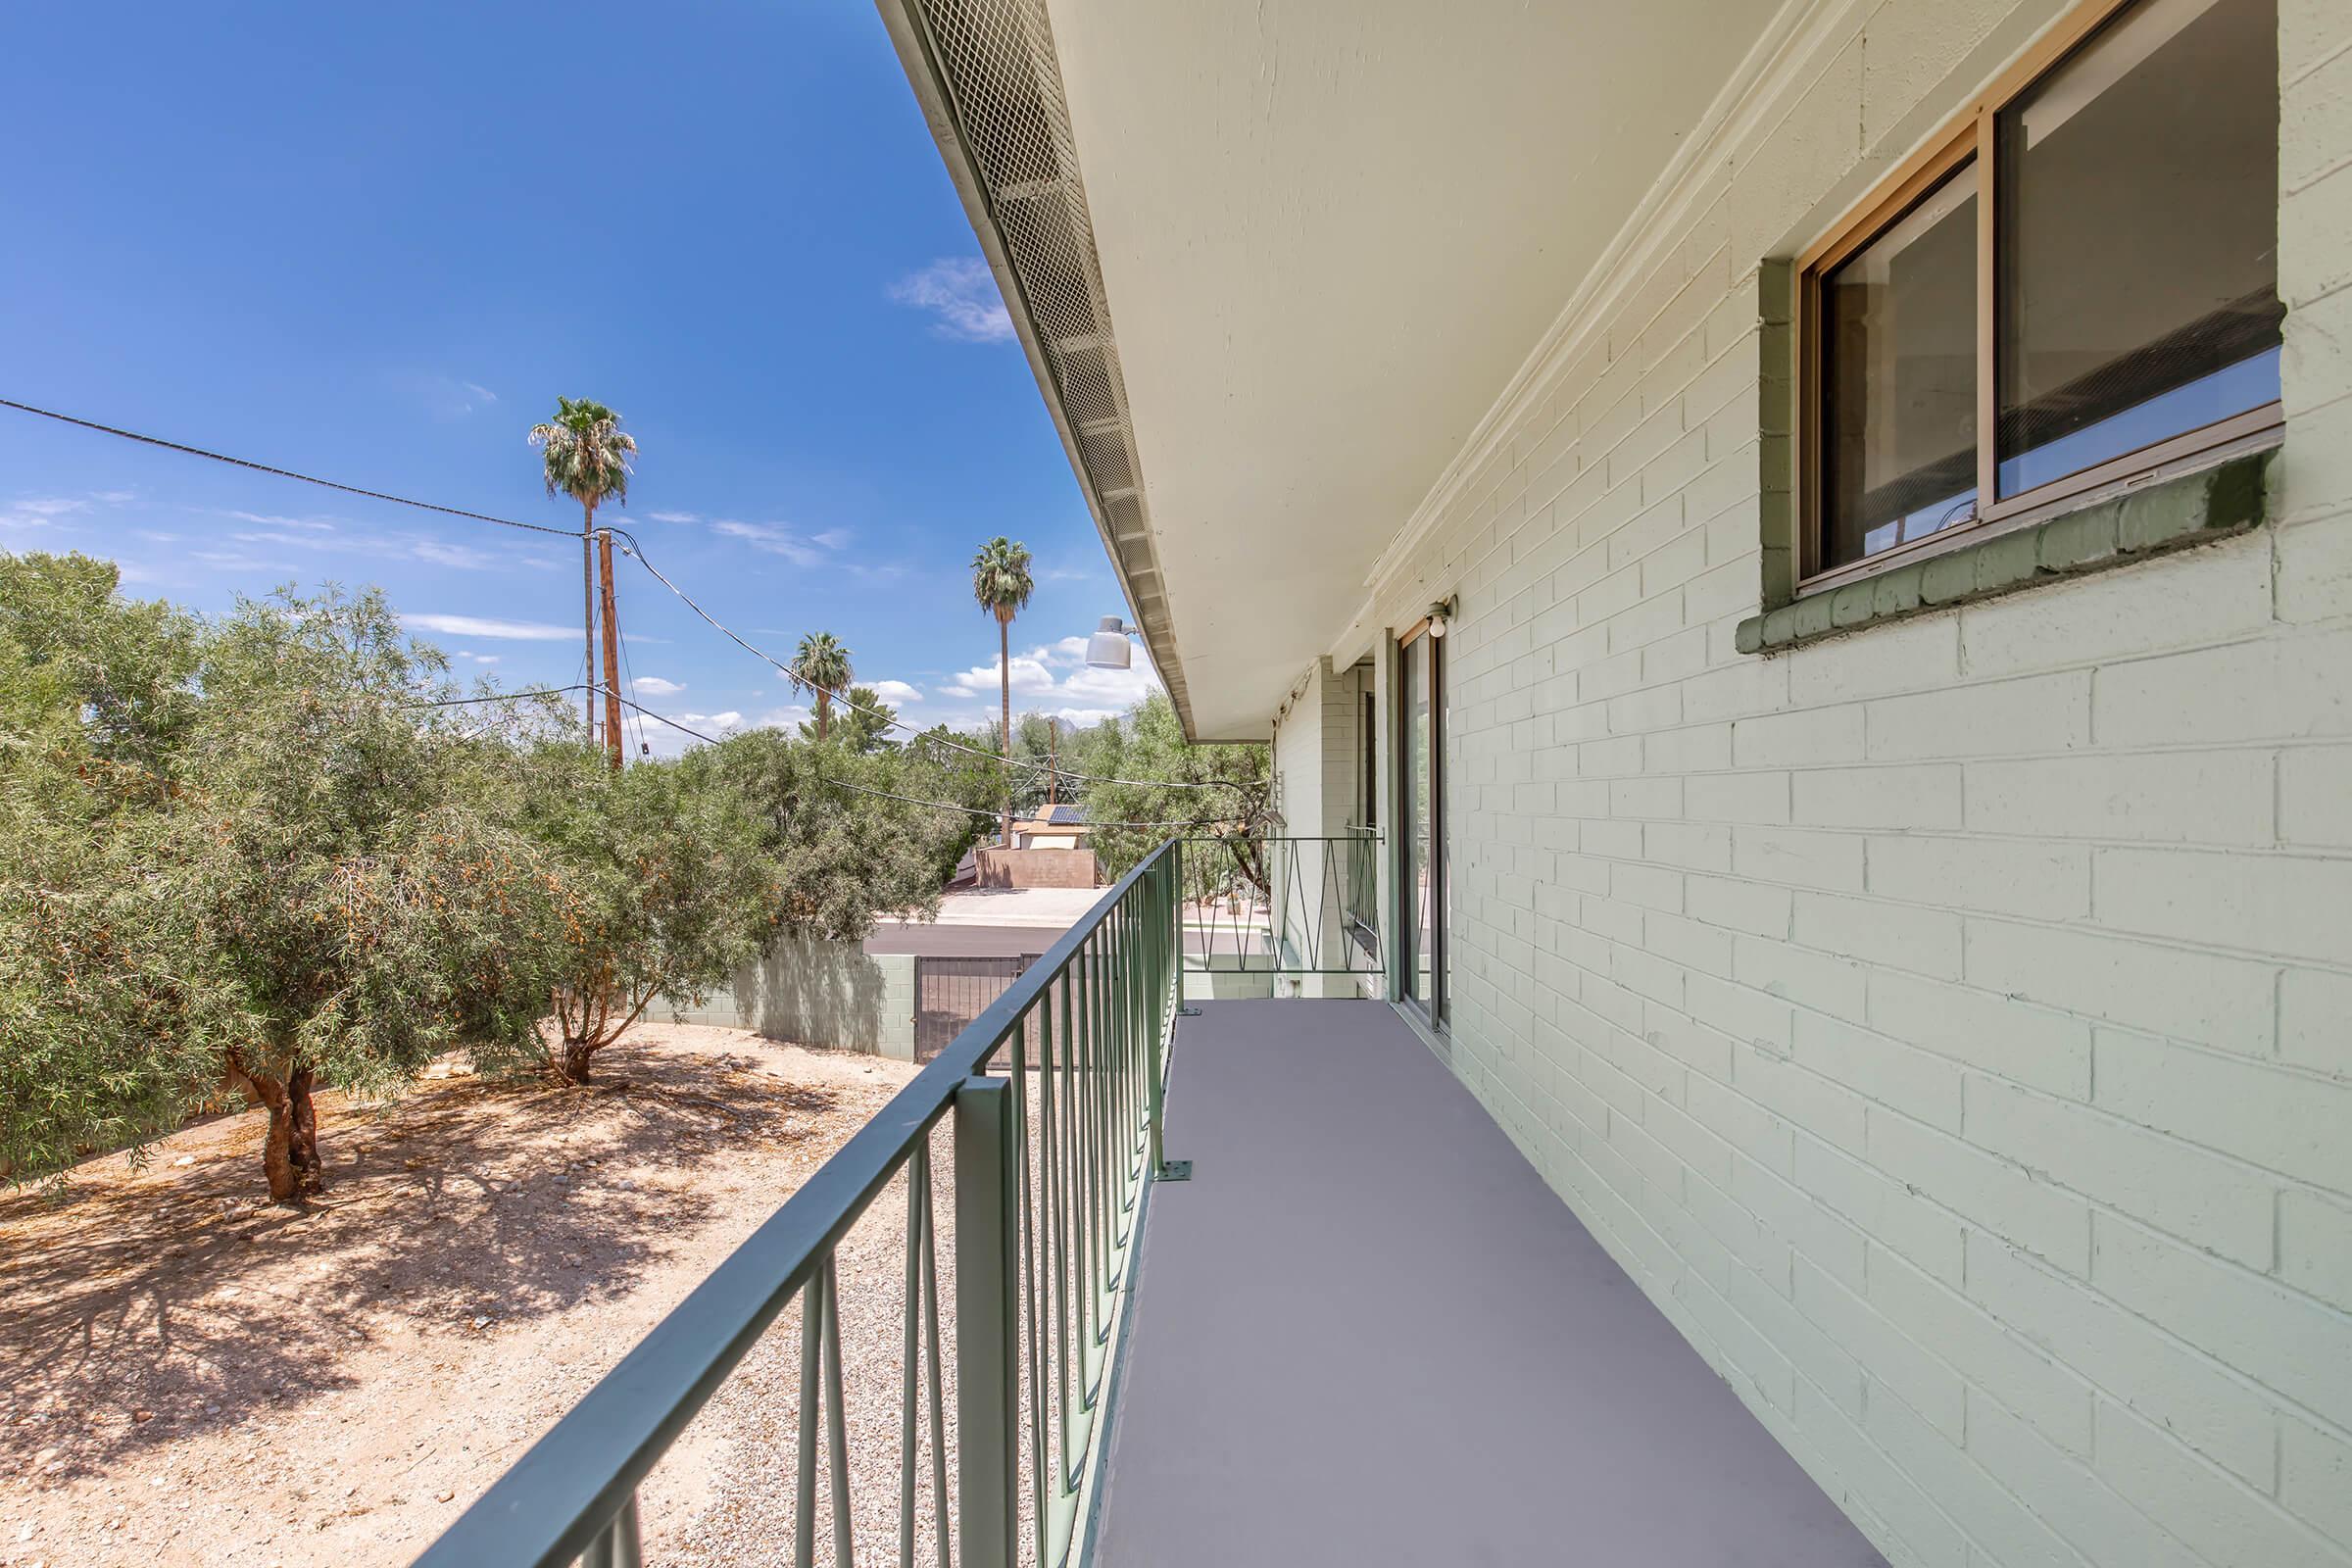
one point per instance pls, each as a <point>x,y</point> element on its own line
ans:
<point>827,994</point>
<point>1949,1026</point>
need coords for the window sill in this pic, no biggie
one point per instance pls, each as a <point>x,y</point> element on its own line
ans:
<point>2192,509</point>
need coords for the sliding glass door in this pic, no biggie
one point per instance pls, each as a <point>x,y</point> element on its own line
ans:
<point>1421,811</point>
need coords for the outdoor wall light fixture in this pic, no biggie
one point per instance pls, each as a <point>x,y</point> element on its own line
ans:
<point>1108,648</point>
<point>1438,613</point>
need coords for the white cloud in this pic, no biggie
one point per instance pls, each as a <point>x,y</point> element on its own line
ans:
<point>769,536</point>
<point>479,658</point>
<point>656,686</point>
<point>675,516</point>
<point>961,295</point>
<point>790,717</point>
<point>1030,678</point>
<point>896,691</point>
<point>712,721</point>
<point>1052,678</point>
<point>526,631</point>
<point>831,538</point>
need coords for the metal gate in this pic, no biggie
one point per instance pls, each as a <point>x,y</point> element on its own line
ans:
<point>951,992</point>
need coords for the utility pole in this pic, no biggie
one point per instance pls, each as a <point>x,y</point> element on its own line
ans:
<point>588,616</point>
<point>1052,764</point>
<point>604,554</point>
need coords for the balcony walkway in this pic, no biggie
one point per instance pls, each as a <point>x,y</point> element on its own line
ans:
<point>1367,1332</point>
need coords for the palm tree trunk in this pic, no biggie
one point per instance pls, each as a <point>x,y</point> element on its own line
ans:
<point>1005,683</point>
<point>825,711</point>
<point>588,611</point>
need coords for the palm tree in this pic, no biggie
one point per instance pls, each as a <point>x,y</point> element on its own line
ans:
<point>821,666</point>
<point>1001,585</point>
<point>587,457</point>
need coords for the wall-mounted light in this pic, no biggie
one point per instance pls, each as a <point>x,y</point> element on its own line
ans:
<point>1439,614</point>
<point>1108,648</point>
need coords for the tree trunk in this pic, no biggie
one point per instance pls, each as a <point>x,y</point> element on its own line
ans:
<point>1005,683</point>
<point>303,1115</point>
<point>588,611</point>
<point>574,1065</point>
<point>290,1149</point>
<point>825,711</point>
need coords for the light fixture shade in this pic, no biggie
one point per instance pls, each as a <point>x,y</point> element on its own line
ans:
<point>1108,648</point>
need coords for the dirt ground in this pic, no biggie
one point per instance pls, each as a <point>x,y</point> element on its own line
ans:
<point>191,1375</point>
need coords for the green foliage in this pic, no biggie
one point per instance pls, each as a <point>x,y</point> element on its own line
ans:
<point>109,1001</point>
<point>1168,773</point>
<point>840,858</point>
<point>661,890</point>
<point>586,453</point>
<point>865,722</point>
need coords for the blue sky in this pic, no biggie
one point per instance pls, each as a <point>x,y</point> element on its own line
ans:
<point>375,242</point>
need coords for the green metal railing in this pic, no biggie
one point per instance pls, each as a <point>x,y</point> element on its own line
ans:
<point>1261,904</point>
<point>1052,1097</point>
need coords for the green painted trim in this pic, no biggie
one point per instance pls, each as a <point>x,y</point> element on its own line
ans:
<point>2195,508</point>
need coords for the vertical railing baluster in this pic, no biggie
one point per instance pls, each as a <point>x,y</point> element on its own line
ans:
<point>941,1525</point>
<point>910,1375</point>
<point>987,1350</point>
<point>803,1511</point>
<point>844,1553</point>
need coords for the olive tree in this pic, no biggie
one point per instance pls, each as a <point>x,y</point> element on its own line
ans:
<point>344,854</point>
<point>660,890</point>
<point>110,1004</point>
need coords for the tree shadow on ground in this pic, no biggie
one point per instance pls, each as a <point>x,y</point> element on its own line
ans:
<point>169,1301</point>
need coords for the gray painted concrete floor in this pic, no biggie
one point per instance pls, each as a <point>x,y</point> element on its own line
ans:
<point>1366,1331</point>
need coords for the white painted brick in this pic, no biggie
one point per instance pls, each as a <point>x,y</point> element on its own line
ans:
<point>2314,794</point>
<point>2045,1050</point>
<point>1798,1218</point>
<point>2162,797</point>
<point>2215,1203</point>
<point>1804,1099</point>
<point>1991,1192</point>
<point>2062,1492</point>
<point>1806,738</point>
<point>2194,995</point>
<point>1891,1214</point>
<point>2187,1394</point>
<point>1798,858</point>
<point>2251,691</point>
<point>1901,936</point>
<point>2314,1006</point>
<point>2288,904</point>
<point>2315,1246</point>
<point>1736,906</point>
<point>2002,719</point>
<point>2226,1524</point>
<point>2315,1477</point>
<point>2286,1121</point>
<point>1925,795</point>
<point>1817,980</point>
<point>2315,566</point>
<point>2203,596</point>
<point>2041,881</point>
<point>1737,798</point>
<point>1922,654</point>
<point>1695,846</point>
<point>2282,1340</point>
<point>1918,1083</point>
<point>2054,1401</point>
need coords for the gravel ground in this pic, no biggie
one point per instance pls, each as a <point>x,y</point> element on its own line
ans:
<point>190,1375</point>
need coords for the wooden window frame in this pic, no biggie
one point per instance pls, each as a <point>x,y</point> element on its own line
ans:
<point>1970,135</point>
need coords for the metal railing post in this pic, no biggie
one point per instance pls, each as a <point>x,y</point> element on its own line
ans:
<point>987,1356</point>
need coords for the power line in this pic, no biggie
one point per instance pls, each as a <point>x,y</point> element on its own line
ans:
<point>636,551</point>
<point>282,473</point>
<point>558,691</point>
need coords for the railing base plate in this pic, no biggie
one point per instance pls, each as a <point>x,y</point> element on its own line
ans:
<point>1188,1012</point>
<point>1174,1170</point>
